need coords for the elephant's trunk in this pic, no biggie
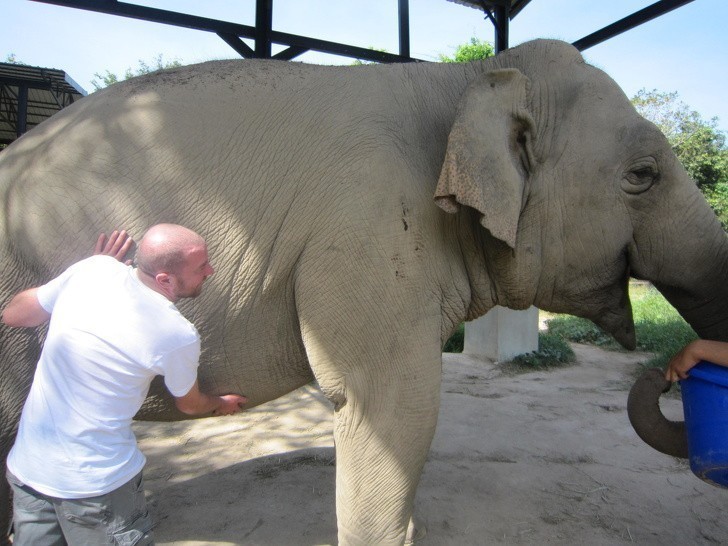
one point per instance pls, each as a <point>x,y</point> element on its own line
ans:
<point>643,408</point>
<point>692,272</point>
<point>708,316</point>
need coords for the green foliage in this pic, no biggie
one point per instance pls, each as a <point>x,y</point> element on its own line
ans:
<point>659,328</point>
<point>456,342</point>
<point>12,59</point>
<point>699,144</point>
<point>359,62</point>
<point>553,351</point>
<point>717,197</point>
<point>104,80</point>
<point>474,50</point>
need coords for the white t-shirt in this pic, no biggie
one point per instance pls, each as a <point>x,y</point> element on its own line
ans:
<point>108,336</point>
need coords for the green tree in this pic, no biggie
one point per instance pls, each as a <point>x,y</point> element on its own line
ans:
<point>699,144</point>
<point>104,80</point>
<point>474,50</point>
<point>12,59</point>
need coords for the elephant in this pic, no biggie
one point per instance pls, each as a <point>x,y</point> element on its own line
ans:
<point>356,215</point>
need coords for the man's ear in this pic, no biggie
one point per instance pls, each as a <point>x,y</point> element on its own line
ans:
<point>163,279</point>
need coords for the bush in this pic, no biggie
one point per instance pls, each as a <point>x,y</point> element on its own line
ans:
<point>456,342</point>
<point>717,197</point>
<point>553,350</point>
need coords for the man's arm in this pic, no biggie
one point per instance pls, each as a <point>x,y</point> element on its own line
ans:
<point>701,349</point>
<point>196,402</point>
<point>25,311</point>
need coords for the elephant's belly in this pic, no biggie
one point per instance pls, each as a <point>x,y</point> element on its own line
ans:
<point>261,376</point>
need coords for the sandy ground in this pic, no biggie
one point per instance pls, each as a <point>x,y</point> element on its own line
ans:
<point>539,458</point>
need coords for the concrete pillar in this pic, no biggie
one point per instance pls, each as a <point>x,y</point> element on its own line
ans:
<point>502,333</point>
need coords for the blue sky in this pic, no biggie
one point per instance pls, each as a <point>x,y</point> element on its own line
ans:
<point>684,51</point>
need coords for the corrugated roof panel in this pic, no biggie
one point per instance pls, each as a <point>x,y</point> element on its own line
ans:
<point>48,91</point>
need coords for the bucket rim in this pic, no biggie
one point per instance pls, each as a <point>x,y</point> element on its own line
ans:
<point>707,371</point>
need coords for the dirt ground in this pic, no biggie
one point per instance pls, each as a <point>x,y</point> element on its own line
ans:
<point>539,458</point>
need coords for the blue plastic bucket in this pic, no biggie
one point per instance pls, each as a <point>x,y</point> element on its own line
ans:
<point>705,404</point>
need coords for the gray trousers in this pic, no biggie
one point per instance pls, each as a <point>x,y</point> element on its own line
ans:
<point>117,518</point>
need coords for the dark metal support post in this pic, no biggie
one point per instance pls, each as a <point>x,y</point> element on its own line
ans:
<point>22,125</point>
<point>263,28</point>
<point>502,13</point>
<point>404,28</point>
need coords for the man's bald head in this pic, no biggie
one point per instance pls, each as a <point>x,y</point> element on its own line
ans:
<point>165,247</point>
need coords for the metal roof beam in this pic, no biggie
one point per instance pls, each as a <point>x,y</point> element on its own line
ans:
<point>155,15</point>
<point>631,21</point>
<point>243,49</point>
<point>499,13</point>
<point>290,53</point>
<point>37,84</point>
<point>227,31</point>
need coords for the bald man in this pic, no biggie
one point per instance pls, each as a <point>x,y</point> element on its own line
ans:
<point>75,468</point>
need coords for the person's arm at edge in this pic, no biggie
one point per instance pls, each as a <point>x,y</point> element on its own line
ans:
<point>196,402</point>
<point>25,311</point>
<point>700,349</point>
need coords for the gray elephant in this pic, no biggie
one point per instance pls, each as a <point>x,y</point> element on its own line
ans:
<point>314,188</point>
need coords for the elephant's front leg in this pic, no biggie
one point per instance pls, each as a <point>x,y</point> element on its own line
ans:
<point>383,432</point>
<point>381,368</point>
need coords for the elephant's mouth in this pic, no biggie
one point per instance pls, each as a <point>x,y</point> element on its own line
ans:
<point>615,317</point>
<point>620,325</point>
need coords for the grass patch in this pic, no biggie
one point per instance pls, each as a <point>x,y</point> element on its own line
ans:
<point>553,351</point>
<point>659,327</point>
<point>456,342</point>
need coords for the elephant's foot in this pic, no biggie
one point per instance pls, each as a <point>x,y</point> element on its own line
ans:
<point>416,531</point>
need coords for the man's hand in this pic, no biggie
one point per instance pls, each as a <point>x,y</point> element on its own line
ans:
<point>116,245</point>
<point>196,402</point>
<point>694,352</point>
<point>231,403</point>
<point>681,363</point>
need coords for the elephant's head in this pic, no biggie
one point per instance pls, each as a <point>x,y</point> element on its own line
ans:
<point>577,192</point>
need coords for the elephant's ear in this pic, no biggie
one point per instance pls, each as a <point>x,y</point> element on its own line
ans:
<point>489,155</point>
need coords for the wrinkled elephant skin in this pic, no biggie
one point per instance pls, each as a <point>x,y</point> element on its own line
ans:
<point>355,216</point>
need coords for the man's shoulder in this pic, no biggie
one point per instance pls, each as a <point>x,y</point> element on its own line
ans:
<point>102,261</point>
<point>96,264</point>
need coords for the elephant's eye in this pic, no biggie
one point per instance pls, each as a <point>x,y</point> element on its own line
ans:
<point>641,176</point>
